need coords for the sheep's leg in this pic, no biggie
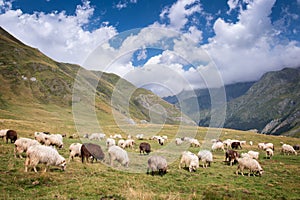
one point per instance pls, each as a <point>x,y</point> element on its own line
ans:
<point>26,164</point>
<point>34,168</point>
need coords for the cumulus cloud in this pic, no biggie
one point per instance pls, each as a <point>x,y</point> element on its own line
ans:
<point>124,3</point>
<point>245,50</point>
<point>58,35</point>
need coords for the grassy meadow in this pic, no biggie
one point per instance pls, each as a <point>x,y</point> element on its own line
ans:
<point>98,180</point>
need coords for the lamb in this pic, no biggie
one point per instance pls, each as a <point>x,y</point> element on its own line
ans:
<point>43,154</point>
<point>22,144</point>
<point>287,149</point>
<point>157,163</point>
<point>269,153</point>
<point>206,157</point>
<point>91,150</point>
<point>145,148</point>
<point>12,135</point>
<point>110,142</point>
<point>75,150</point>
<point>189,159</point>
<point>217,145</point>
<point>231,156</point>
<point>118,154</point>
<point>194,142</point>
<point>54,140</point>
<point>249,163</point>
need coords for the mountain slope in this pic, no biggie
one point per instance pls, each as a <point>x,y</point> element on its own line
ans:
<point>31,83</point>
<point>274,98</point>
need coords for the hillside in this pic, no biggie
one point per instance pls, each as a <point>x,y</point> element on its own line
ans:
<point>32,83</point>
<point>272,105</point>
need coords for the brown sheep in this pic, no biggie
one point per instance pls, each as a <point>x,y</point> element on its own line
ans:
<point>12,135</point>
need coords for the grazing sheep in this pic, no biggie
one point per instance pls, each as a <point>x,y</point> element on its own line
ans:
<point>121,143</point>
<point>287,149</point>
<point>75,150</point>
<point>22,144</point>
<point>54,140</point>
<point>97,136</point>
<point>116,136</point>
<point>43,154</point>
<point>118,154</point>
<point>206,158</point>
<point>139,136</point>
<point>178,141</point>
<point>164,137</point>
<point>231,156</point>
<point>91,150</point>
<point>227,143</point>
<point>236,145</point>
<point>269,145</point>
<point>254,154</point>
<point>194,142</point>
<point>269,153</point>
<point>261,145</point>
<point>157,163</point>
<point>189,159</point>
<point>3,133</point>
<point>250,143</point>
<point>12,135</point>
<point>217,145</point>
<point>128,143</point>
<point>249,163</point>
<point>110,142</point>
<point>145,148</point>
<point>40,137</point>
<point>161,141</point>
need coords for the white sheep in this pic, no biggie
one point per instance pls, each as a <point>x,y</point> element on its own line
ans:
<point>157,163</point>
<point>269,153</point>
<point>40,137</point>
<point>287,149</point>
<point>194,142</point>
<point>110,142</point>
<point>254,154</point>
<point>250,143</point>
<point>217,145</point>
<point>43,154</point>
<point>54,140</point>
<point>22,144</point>
<point>269,145</point>
<point>97,136</point>
<point>3,133</point>
<point>206,157</point>
<point>128,143</point>
<point>75,150</point>
<point>118,154</point>
<point>189,159</point>
<point>121,143</point>
<point>227,142</point>
<point>249,163</point>
<point>178,141</point>
<point>161,140</point>
<point>139,136</point>
<point>116,136</point>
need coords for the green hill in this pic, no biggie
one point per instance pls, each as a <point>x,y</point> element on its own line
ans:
<point>33,85</point>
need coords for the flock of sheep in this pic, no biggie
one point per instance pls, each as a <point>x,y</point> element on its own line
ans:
<point>42,149</point>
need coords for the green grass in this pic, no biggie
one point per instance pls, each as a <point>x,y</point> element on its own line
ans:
<point>98,180</point>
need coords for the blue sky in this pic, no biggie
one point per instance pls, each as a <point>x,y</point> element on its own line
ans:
<point>194,40</point>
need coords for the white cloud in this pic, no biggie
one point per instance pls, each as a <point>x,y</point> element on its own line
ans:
<point>124,3</point>
<point>245,50</point>
<point>60,36</point>
<point>232,5</point>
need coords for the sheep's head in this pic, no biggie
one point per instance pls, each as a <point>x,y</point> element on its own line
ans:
<point>63,165</point>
